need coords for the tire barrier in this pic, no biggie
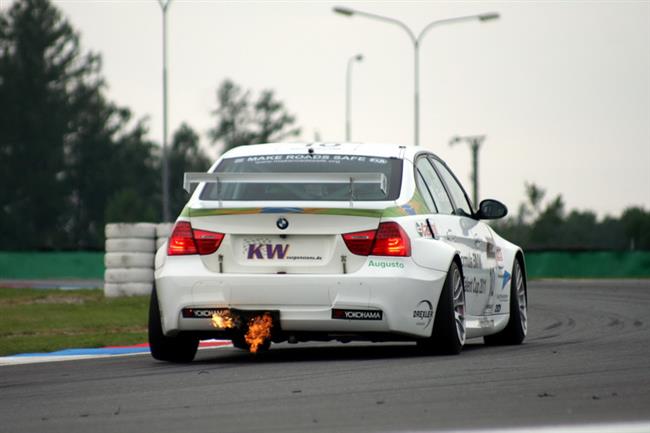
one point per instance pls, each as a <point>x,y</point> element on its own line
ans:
<point>137,230</point>
<point>129,275</point>
<point>127,289</point>
<point>129,258</point>
<point>160,242</point>
<point>163,230</point>
<point>130,245</point>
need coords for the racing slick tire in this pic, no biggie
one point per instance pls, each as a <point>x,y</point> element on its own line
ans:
<point>515,331</point>
<point>180,348</point>
<point>448,334</point>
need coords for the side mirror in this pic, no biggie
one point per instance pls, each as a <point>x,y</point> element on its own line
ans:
<point>491,210</point>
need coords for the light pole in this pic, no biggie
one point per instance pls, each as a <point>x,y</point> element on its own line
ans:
<point>348,83</point>
<point>164,4</point>
<point>474,142</point>
<point>416,40</point>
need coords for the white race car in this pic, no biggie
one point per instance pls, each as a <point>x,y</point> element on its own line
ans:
<point>328,241</point>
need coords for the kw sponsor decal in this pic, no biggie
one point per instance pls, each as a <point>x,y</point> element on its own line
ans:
<point>384,264</point>
<point>265,249</point>
<point>357,314</point>
<point>279,251</point>
<point>423,313</point>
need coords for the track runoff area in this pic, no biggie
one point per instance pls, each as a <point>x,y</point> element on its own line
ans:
<point>583,368</point>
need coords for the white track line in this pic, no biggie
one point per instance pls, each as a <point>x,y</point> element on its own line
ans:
<point>622,427</point>
<point>21,360</point>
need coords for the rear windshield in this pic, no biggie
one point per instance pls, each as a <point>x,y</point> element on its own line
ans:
<point>307,163</point>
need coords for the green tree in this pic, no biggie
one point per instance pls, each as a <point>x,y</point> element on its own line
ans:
<point>544,232</point>
<point>64,149</point>
<point>185,155</point>
<point>38,50</point>
<point>551,227</point>
<point>636,226</point>
<point>135,169</point>
<point>241,122</point>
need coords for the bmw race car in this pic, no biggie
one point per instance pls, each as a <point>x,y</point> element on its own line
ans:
<point>334,241</point>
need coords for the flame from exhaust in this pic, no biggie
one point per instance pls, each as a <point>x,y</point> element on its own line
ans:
<point>223,320</point>
<point>259,330</point>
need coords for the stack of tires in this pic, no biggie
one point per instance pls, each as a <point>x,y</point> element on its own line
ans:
<point>129,259</point>
<point>163,230</point>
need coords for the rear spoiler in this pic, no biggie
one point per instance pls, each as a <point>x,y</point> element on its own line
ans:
<point>349,178</point>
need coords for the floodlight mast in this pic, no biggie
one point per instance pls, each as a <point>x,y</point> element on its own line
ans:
<point>164,5</point>
<point>474,142</point>
<point>348,97</point>
<point>416,40</point>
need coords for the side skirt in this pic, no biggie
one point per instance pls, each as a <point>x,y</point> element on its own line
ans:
<point>479,326</point>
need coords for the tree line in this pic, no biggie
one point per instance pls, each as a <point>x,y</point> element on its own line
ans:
<point>71,160</point>
<point>551,227</point>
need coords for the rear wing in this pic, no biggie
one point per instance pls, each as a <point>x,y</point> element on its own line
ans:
<point>352,179</point>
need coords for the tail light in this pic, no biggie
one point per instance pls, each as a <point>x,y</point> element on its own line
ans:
<point>186,241</point>
<point>360,242</point>
<point>389,239</point>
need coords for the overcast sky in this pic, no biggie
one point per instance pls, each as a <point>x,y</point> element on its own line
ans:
<point>560,88</point>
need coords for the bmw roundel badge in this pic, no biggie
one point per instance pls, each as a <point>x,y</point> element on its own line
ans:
<point>282,223</point>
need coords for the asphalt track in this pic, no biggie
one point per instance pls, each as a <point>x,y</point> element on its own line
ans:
<point>586,360</point>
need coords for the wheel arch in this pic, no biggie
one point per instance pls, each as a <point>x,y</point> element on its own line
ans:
<point>459,262</point>
<point>519,256</point>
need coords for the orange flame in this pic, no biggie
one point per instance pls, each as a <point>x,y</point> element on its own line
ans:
<point>223,320</point>
<point>259,330</point>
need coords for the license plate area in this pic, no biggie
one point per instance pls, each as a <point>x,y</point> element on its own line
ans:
<point>290,250</point>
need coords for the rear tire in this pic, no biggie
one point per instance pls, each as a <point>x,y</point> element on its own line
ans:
<point>180,348</point>
<point>239,342</point>
<point>448,335</point>
<point>515,331</point>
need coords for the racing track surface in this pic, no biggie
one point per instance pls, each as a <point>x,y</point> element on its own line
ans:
<point>587,359</point>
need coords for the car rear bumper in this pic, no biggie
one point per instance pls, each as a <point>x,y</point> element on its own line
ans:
<point>405,293</point>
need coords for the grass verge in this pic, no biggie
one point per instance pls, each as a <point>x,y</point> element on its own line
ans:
<point>35,320</point>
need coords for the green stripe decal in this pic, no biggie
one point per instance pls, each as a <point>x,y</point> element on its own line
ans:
<point>195,213</point>
<point>415,206</point>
